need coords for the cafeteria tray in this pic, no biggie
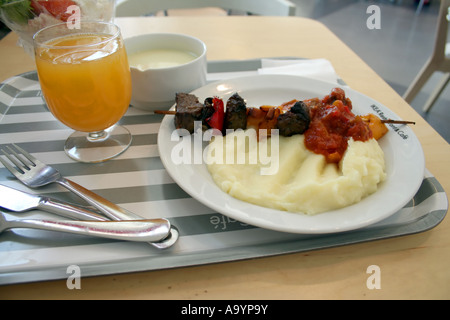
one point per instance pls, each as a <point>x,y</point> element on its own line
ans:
<point>138,181</point>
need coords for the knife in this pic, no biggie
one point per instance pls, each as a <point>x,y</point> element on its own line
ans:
<point>20,201</point>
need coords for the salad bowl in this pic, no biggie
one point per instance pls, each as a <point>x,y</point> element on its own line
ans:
<point>26,17</point>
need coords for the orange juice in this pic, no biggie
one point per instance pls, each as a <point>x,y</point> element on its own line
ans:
<point>88,88</point>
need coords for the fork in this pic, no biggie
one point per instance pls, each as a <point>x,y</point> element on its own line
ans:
<point>34,174</point>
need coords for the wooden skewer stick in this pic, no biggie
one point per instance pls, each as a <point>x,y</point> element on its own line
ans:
<point>165,112</point>
<point>397,121</point>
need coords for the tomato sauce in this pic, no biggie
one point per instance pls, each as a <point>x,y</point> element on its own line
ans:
<point>332,125</point>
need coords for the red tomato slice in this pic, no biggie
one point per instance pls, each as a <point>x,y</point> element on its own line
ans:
<point>56,8</point>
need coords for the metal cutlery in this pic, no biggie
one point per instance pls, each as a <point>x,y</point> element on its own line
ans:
<point>20,201</point>
<point>33,173</point>
<point>137,230</point>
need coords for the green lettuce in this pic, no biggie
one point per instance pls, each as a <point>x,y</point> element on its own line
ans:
<point>16,11</point>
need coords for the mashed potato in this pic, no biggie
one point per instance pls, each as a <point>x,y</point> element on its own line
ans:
<point>304,181</point>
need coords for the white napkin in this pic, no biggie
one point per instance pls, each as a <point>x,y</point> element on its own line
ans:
<point>320,69</point>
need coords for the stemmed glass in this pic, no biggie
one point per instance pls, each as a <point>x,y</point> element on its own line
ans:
<point>85,79</point>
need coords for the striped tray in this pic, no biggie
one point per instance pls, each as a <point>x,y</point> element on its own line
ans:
<point>138,182</point>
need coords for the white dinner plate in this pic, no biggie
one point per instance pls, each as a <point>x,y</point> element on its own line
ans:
<point>404,157</point>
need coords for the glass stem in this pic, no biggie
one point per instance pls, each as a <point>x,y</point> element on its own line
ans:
<point>97,136</point>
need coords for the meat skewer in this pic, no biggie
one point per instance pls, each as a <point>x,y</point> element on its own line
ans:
<point>290,118</point>
<point>173,112</point>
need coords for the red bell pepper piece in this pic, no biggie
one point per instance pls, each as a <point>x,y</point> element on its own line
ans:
<point>217,118</point>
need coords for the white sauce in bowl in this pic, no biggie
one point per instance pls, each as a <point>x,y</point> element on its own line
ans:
<point>159,58</point>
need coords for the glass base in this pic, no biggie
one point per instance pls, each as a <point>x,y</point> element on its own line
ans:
<point>98,146</point>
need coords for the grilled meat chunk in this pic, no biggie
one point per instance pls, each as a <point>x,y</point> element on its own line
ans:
<point>294,121</point>
<point>188,110</point>
<point>337,94</point>
<point>236,113</point>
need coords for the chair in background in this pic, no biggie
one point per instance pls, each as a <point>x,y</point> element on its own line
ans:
<point>420,4</point>
<point>439,61</point>
<point>127,8</point>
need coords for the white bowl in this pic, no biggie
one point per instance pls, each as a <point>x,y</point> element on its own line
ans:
<point>155,88</point>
